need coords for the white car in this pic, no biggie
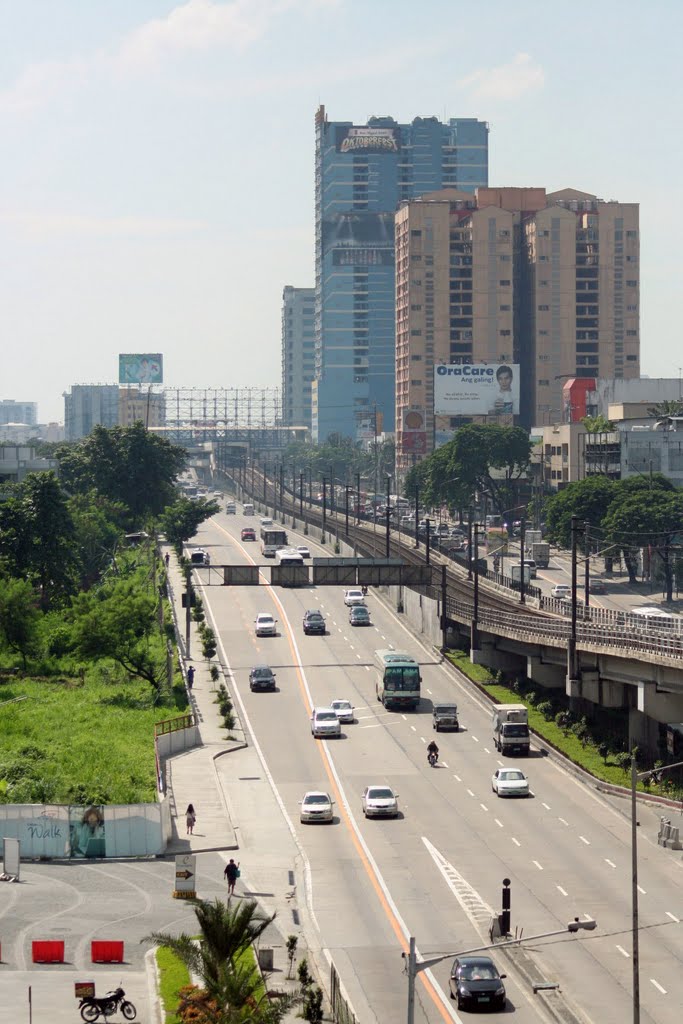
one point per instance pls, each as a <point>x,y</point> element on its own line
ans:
<point>266,521</point>
<point>266,625</point>
<point>303,550</point>
<point>198,556</point>
<point>353,596</point>
<point>316,806</point>
<point>324,723</point>
<point>561,590</point>
<point>510,782</point>
<point>343,710</point>
<point>379,802</point>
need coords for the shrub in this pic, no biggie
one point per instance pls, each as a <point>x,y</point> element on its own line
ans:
<point>545,707</point>
<point>580,730</point>
<point>229,721</point>
<point>563,720</point>
<point>208,643</point>
<point>603,751</point>
<point>531,697</point>
<point>623,759</point>
<point>313,1005</point>
<point>215,673</point>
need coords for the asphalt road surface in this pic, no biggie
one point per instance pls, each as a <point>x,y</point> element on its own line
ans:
<point>436,872</point>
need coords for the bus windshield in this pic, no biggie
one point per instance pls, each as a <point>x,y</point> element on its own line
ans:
<point>402,677</point>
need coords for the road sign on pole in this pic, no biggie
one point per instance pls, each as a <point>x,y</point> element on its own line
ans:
<point>185,877</point>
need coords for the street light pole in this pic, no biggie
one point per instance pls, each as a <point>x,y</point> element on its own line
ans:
<point>428,524</point>
<point>388,515</point>
<point>415,967</point>
<point>635,950</point>
<point>322,538</point>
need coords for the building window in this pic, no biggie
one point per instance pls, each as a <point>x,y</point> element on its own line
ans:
<point>504,284</point>
<point>544,383</point>
<point>543,309</point>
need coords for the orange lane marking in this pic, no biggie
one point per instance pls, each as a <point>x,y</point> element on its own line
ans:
<point>369,870</point>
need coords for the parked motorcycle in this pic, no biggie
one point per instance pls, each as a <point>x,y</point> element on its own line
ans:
<point>92,1008</point>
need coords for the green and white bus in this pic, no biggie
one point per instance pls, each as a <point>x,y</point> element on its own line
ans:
<point>398,679</point>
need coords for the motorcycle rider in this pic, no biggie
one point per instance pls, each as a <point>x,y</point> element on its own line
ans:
<point>433,750</point>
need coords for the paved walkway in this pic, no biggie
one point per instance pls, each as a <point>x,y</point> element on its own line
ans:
<point>200,776</point>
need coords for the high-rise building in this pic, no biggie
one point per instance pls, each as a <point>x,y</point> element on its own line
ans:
<point>18,412</point>
<point>143,405</point>
<point>542,284</point>
<point>89,405</point>
<point>298,355</point>
<point>362,174</point>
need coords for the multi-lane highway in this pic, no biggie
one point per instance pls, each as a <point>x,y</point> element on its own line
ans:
<point>436,872</point>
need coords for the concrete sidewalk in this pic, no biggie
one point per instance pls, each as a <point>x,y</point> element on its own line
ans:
<point>200,776</point>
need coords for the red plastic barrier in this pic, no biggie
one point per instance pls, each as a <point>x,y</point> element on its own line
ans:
<point>106,952</point>
<point>48,951</point>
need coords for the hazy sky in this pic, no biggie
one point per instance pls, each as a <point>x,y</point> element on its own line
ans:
<point>156,178</point>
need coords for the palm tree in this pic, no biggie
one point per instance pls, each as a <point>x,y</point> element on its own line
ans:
<point>663,412</point>
<point>231,990</point>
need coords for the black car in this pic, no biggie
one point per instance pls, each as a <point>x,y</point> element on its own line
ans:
<point>261,677</point>
<point>314,623</point>
<point>475,982</point>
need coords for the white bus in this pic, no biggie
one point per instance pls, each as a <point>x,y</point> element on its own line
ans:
<point>288,556</point>
<point>398,679</point>
<point>272,539</point>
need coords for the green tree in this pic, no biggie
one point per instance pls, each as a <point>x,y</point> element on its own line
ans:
<point>647,518</point>
<point>98,528</point>
<point>37,537</point>
<point>117,622</point>
<point>181,520</point>
<point>129,465</point>
<point>597,425</point>
<point>664,411</point>
<point>587,499</point>
<point>19,617</point>
<point>230,989</point>
<point>481,457</point>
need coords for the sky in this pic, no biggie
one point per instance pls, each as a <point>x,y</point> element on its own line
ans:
<point>156,177</point>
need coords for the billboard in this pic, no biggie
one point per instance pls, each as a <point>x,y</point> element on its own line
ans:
<point>358,230</point>
<point>363,139</point>
<point>477,389</point>
<point>413,434</point>
<point>141,368</point>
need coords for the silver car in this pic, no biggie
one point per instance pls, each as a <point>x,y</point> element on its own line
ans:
<point>510,782</point>
<point>379,802</point>
<point>324,723</point>
<point>316,806</point>
<point>266,625</point>
<point>343,710</point>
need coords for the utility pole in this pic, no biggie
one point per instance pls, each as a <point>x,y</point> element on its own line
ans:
<point>474,638</point>
<point>346,509</point>
<point>388,515</point>
<point>444,594</point>
<point>428,524</point>
<point>470,516</point>
<point>417,516</point>
<point>357,498</point>
<point>322,538</point>
<point>571,647</point>
<point>587,562</point>
<point>522,582</point>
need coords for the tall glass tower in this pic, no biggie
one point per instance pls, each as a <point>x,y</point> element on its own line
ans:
<point>362,173</point>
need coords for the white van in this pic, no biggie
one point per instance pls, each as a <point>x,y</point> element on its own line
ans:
<point>231,508</point>
<point>248,509</point>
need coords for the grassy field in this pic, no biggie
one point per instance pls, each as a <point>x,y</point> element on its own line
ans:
<point>173,975</point>
<point>80,741</point>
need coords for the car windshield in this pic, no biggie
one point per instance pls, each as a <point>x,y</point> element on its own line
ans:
<point>262,672</point>
<point>445,709</point>
<point>478,972</point>
<point>316,798</point>
<point>360,613</point>
<point>515,730</point>
<point>512,776</point>
<point>380,794</point>
<point>313,615</point>
<point>341,705</point>
<point>326,716</point>
<point>265,619</point>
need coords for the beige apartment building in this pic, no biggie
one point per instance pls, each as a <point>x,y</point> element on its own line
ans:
<point>547,282</point>
<point>146,406</point>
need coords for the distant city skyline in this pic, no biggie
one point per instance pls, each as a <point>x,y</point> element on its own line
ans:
<point>157,184</point>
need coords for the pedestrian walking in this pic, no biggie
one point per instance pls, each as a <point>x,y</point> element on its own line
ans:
<point>232,873</point>
<point>190,818</point>
<point>190,677</point>
<point>167,559</point>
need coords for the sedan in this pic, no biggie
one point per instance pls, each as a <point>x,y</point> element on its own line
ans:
<point>379,802</point>
<point>314,623</point>
<point>475,981</point>
<point>510,782</point>
<point>596,587</point>
<point>303,550</point>
<point>343,709</point>
<point>353,596</point>
<point>248,533</point>
<point>261,677</point>
<point>316,806</point>
<point>561,590</point>
<point>359,615</point>
<point>266,625</point>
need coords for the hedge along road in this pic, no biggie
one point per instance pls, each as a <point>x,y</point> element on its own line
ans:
<point>472,933</point>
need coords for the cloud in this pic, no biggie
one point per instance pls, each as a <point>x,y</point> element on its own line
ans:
<point>507,81</point>
<point>57,225</point>
<point>195,26</point>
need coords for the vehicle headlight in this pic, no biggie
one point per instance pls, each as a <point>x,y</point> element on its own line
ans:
<point>500,990</point>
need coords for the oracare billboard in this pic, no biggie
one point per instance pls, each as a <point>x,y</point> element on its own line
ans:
<point>478,389</point>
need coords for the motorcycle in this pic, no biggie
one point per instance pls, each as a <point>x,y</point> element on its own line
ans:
<point>432,757</point>
<point>92,1008</point>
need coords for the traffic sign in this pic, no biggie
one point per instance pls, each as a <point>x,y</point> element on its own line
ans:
<point>185,874</point>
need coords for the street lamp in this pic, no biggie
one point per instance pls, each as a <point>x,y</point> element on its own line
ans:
<point>415,967</point>
<point>635,775</point>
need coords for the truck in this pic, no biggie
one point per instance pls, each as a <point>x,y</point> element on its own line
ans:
<point>516,574</point>
<point>540,553</point>
<point>511,729</point>
<point>532,537</point>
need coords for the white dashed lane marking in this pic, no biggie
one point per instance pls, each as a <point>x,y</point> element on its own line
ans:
<point>623,951</point>
<point>564,822</point>
<point>470,792</point>
<point>673,917</point>
<point>539,866</point>
<point>658,986</point>
<point>498,823</point>
<point>584,840</point>
<point>563,891</point>
<point>546,807</point>
<point>611,863</point>
<point>457,777</point>
<point>516,841</point>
